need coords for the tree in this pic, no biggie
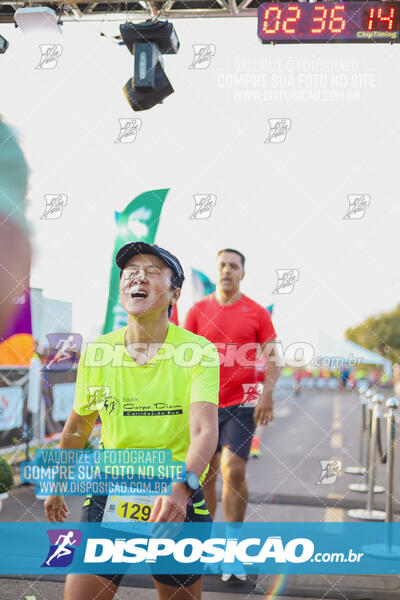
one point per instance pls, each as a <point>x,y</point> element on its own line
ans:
<point>380,333</point>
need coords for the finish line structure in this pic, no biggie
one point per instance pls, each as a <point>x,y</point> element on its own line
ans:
<point>114,10</point>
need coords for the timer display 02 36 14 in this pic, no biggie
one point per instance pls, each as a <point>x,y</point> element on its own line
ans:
<point>323,22</point>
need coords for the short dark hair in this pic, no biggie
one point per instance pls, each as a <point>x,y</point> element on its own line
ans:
<point>174,285</point>
<point>242,258</point>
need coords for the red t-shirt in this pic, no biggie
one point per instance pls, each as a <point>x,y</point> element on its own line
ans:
<point>229,327</point>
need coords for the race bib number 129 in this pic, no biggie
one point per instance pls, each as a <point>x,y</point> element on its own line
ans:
<point>128,513</point>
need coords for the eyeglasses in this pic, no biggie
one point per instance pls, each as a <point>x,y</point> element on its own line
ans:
<point>131,273</point>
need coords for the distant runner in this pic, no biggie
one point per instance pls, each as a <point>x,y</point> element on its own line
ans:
<point>230,319</point>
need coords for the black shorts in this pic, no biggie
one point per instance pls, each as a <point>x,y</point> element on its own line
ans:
<point>196,512</point>
<point>236,429</point>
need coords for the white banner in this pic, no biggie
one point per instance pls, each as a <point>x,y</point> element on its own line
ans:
<point>11,407</point>
<point>63,400</point>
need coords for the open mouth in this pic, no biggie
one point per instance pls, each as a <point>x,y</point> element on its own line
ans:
<point>139,294</point>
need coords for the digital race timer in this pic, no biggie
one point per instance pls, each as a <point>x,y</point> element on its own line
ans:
<point>347,21</point>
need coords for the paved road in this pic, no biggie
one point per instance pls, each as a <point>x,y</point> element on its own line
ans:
<point>39,590</point>
<point>283,486</point>
<point>309,428</point>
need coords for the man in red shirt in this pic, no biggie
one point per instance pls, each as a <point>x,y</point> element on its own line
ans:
<point>239,327</point>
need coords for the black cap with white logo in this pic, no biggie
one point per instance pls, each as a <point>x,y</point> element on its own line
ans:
<point>133,248</point>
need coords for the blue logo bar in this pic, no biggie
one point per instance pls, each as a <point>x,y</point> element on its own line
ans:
<point>291,548</point>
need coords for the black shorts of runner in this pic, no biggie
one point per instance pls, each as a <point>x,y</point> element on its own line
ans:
<point>236,429</point>
<point>196,512</point>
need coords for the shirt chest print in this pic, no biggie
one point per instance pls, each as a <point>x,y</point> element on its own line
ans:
<point>134,407</point>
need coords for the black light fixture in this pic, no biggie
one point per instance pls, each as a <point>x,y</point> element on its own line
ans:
<point>3,44</point>
<point>147,42</point>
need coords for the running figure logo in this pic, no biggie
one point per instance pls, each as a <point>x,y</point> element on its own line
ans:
<point>63,543</point>
<point>128,129</point>
<point>112,406</point>
<point>357,206</point>
<point>251,392</point>
<point>55,204</point>
<point>203,204</point>
<point>203,53</point>
<point>286,281</point>
<point>330,469</point>
<point>278,129</point>
<point>50,54</point>
<point>98,396</point>
<point>64,346</point>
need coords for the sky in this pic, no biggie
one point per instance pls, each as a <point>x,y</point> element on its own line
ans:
<point>281,204</point>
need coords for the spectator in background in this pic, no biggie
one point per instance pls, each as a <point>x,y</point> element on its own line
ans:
<point>374,377</point>
<point>396,379</point>
<point>384,380</point>
<point>298,376</point>
<point>344,376</point>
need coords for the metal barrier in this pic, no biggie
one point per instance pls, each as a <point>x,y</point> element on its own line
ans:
<point>369,513</point>
<point>388,549</point>
<point>368,409</point>
<point>364,437</point>
<point>392,404</point>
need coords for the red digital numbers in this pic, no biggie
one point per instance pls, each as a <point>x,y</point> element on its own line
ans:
<point>323,19</point>
<point>336,23</point>
<point>375,20</point>
<point>294,19</point>
<point>278,13</point>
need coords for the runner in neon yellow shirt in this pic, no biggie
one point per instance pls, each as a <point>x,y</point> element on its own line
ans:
<point>153,398</point>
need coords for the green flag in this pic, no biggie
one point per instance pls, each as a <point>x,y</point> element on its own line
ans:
<point>201,284</point>
<point>138,222</point>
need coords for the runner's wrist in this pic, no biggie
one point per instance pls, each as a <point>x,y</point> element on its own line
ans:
<point>267,391</point>
<point>181,486</point>
<point>266,396</point>
<point>265,402</point>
